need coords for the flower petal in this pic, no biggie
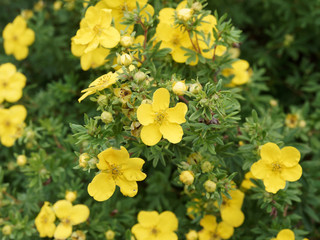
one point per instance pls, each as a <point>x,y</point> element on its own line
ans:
<point>171,131</point>
<point>260,169</point>
<point>150,134</point>
<point>112,156</point>
<point>79,213</point>
<point>232,215</point>
<point>167,236</point>
<point>132,170</point>
<point>177,113</point>
<point>20,52</point>
<point>292,174</point>
<point>290,156</point>
<point>285,234</point>
<point>102,187</point>
<point>148,218</point>
<point>141,232</point>
<point>209,223</point>
<point>161,100</point>
<point>168,222</point>
<point>62,208</point>
<point>224,230</point>
<point>127,188</point>
<point>27,37</point>
<point>109,38</point>
<point>63,231</point>
<point>270,152</point>
<point>145,114</point>
<point>274,183</point>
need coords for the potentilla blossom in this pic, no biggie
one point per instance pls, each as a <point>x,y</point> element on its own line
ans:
<point>159,120</point>
<point>11,83</point>
<point>277,166</point>
<point>117,168</point>
<point>240,72</point>
<point>284,234</point>
<point>155,226</point>
<point>214,231</point>
<point>45,221</point>
<point>17,37</point>
<point>69,215</point>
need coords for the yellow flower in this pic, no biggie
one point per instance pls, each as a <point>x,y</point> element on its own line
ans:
<point>285,234</point>
<point>69,215</point>
<point>95,30</point>
<point>11,83</point>
<point>71,195</point>
<point>240,72</point>
<point>159,120</point>
<point>45,221</point>
<point>186,177</point>
<point>117,168</point>
<point>17,37</point>
<point>124,93</point>
<point>277,166</point>
<point>109,235</point>
<point>154,226</point>
<point>192,235</point>
<point>292,120</point>
<point>119,8</point>
<point>99,84</point>
<point>213,231</point>
<point>246,183</point>
<point>38,6</point>
<point>179,87</point>
<point>230,209</point>
<point>11,123</point>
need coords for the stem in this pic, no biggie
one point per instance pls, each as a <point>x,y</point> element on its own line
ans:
<point>182,98</point>
<point>194,46</point>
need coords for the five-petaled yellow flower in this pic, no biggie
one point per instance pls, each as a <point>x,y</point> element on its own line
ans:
<point>155,226</point>
<point>17,37</point>
<point>240,71</point>
<point>69,215</point>
<point>213,231</point>
<point>277,166</point>
<point>159,120</point>
<point>117,168</point>
<point>284,234</point>
<point>99,84</point>
<point>96,30</point>
<point>11,83</point>
<point>45,221</point>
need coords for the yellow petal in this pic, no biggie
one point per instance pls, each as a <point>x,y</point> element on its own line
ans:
<point>209,223</point>
<point>27,37</point>
<point>79,213</point>
<point>132,170</point>
<point>173,132</point>
<point>179,55</point>
<point>292,174</point>
<point>270,152</point>
<point>274,183</point>
<point>7,140</point>
<point>86,61</point>
<point>110,38</point>
<point>77,49</point>
<point>260,169</point>
<point>290,156</point>
<point>224,230</point>
<point>237,198</point>
<point>20,52</point>
<point>148,219</point>
<point>285,234</point>
<point>141,232</point>
<point>63,231</point>
<point>150,134</point>
<point>177,113</point>
<point>102,187</point>
<point>9,46</point>
<point>112,156</point>
<point>240,65</point>
<point>18,114</point>
<point>167,236</point>
<point>84,36</point>
<point>86,95</point>
<point>166,15</point>
<point>232,216</point>
<point>168,222</point>
<point>204,234</point>
<point>161,100</point>
<point>127,188</point>
<point>62,208</point>
<point>145,114</point>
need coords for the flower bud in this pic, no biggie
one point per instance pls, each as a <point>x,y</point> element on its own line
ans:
<point>93,162</point>
<point>210,186</point>
<point>125,59</point>
<point>185,14</point>
<point>146,101</point>
<point>126,41</point>
<point>109,235</point>
<point>179,87</point>
<point>206,167</point>
<point>302,123</point>
<point>57,5</point>
<point>140,76</point>
<point>21,160</point>
<point>186,177</point>
<point>78,235</point>
<point>102,100</point>
<point>83,160</point>
<point>197,6</point>
<point>195,88</point>
<point>106,117</point>
<point>71,195</point>
<point>192,235</point>
<point>6,230</point>
<point>273,102</point>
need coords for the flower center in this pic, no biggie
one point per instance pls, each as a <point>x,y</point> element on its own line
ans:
<point>98,29</point>
<point>66,221</point>
<point>159,117</point>
<point>4,84</point>
<point>154,231</point>
<point>7,123</point>
<point>214,236</point>
<point>276,167</point>
<point>176,40</point>
<point>115,170</point>
<point>44,219</point>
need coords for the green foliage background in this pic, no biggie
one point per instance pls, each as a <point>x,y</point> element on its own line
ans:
<point>286,71</point>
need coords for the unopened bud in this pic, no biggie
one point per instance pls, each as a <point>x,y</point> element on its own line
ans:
<point>302,123</point>
<point>83,160</point>
<point>179,87</point>
<point>192,235</point>
<point>195,88</point>
<point>102,100</point>
<point>146,101</point>
<point>126,41</point>
<point>21,160</point>
<point>140,76</point>
<point>71,195</point>
<point>57,5</point>
<point>210,186</point>
<point>78,235</point>
<point>185,14</point>
<point>186,177</point>
<point>109,235</point>
<point>106,117</point>
<point>273,102</point>
<point>6,230</point>
<point>197,6</point>
<point>206,167</point>
<point>93,162</point>
<point>125,59</point>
